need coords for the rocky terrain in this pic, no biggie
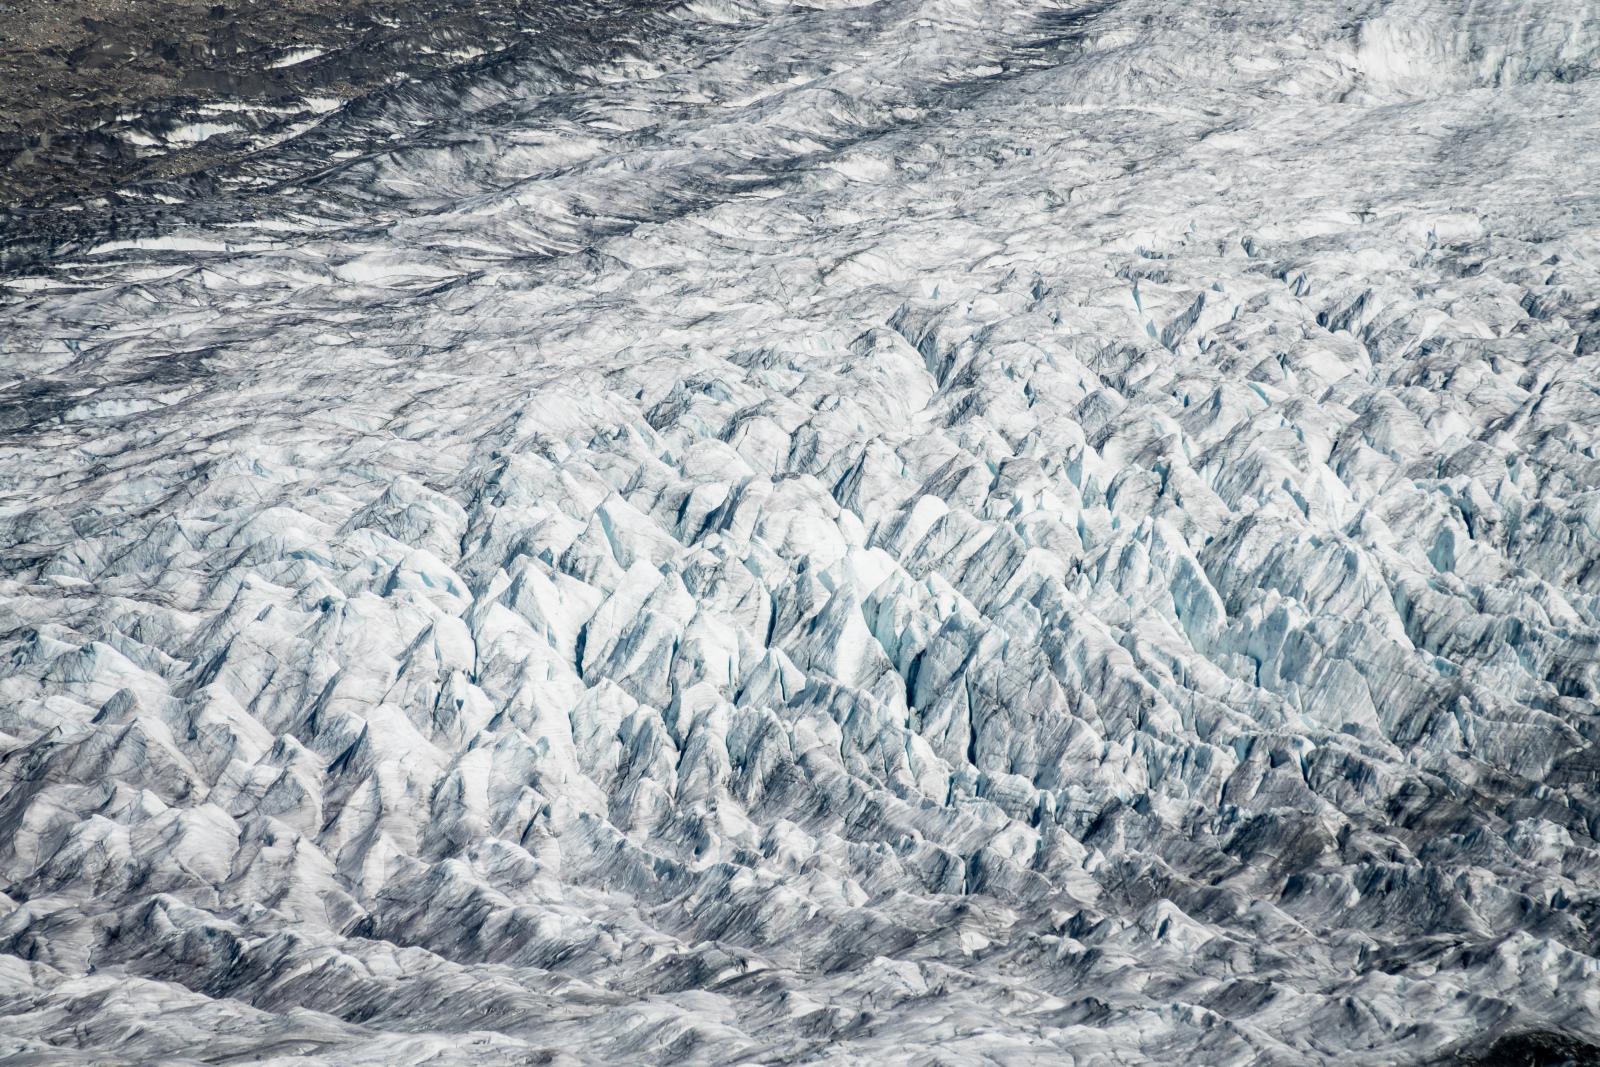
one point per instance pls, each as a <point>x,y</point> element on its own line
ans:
<point>755,532</point>
<point>119,101</point>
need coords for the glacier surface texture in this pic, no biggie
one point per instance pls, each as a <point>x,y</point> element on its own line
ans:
<point>745,532</point>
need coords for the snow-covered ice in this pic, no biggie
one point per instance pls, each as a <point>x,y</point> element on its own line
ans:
<point>926,531</point>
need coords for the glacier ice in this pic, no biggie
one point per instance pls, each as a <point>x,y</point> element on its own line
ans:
<point>819,532</point>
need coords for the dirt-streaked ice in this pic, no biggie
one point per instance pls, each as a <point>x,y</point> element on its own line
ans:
<point>916,532</point>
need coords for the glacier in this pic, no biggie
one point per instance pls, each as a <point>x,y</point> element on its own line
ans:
<point>800,531</point>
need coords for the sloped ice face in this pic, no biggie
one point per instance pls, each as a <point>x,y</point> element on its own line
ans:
<point>916,532</point>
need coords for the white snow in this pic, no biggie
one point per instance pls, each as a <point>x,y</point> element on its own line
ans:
<point>294,57</point>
